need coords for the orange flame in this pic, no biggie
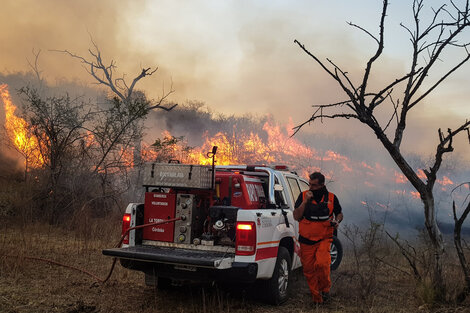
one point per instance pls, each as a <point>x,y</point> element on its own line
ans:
<point>445,181</point>
<point>242,147</point>
<point>415,194</point>
<point>421,174</point>
<point>127,157</point>
<point>400,178</point>
<point>20,132</point>
<point>89,139</point>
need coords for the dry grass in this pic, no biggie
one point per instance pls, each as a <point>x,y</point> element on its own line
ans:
<point>32,286</point>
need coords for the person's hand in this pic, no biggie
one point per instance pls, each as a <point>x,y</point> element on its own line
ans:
<point>334,223</point>
<point>308,196</point>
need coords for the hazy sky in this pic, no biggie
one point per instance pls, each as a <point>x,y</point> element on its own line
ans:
<point>236,56</point>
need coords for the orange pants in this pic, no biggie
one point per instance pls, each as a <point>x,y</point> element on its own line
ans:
<point>316,260</point>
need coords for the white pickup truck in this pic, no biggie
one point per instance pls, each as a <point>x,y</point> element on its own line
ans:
<point>233,224</point>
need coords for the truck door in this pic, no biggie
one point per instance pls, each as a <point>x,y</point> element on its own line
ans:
<point>295,188</point>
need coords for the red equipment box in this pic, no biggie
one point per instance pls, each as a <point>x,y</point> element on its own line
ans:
<point>159,207</point>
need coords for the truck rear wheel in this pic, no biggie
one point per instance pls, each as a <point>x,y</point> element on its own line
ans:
<point>336,253</point>
<point>277,287</point>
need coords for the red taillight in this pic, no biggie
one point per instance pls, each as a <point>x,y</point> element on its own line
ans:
<point>245,238</point>
<point>126,224</point>
<point>244,226</point>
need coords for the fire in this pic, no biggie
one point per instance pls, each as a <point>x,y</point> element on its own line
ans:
<point>383,206</point>
<point>148,154</point>
<point>415,194</point>
<point>20,132</point>
<point>89,139</point>
<point>400,178</point>
<point>227,153</point>
<point>127,157</point>
<point>274,146</point>
<point>421,174</point>
<point>250,148</point>
<point>400,192</point>
<point>445,181</point>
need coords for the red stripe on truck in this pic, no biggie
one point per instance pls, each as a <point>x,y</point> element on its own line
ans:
<point>266,253</point>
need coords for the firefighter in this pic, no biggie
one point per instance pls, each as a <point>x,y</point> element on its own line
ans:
<point>319,214</point>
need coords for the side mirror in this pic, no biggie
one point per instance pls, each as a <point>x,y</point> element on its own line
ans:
<point>278,187</point>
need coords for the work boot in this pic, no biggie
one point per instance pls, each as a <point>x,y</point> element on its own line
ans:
<point>317,299</point>
<point>326,297</point>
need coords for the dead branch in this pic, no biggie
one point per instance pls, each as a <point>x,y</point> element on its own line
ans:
<point>382,260</point>
<point>377,53</point>
<point>427,92</point>
<point>35,66</point>
<point>344,74</point>
<point>411,259</point>
<point>103,74</point>
<point>441,150</point>
<point>321,116</point>
<point>365,31</point>
<point>395,111</point>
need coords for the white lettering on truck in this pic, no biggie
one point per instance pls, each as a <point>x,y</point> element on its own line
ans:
<point>171,175</point>
<point>155,220</point>
<point>160,203</point>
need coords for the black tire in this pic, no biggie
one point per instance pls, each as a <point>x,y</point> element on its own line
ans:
<point>336,253</point>
<point>162,283</point>
<point>277,287</point>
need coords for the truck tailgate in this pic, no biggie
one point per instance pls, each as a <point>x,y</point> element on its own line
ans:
<point>211,259</point>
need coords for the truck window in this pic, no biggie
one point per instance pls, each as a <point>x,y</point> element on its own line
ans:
<point>278,195</point>
<point>294,188</point>
<point>303,185</point>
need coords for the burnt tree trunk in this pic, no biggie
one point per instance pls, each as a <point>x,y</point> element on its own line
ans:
<point>458,246</point>
<point>426,194</point>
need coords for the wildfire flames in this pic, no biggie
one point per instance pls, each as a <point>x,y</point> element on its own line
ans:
<point>274,146</point>
<point>20,132</point>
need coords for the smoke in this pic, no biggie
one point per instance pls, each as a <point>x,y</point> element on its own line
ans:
<point>230,56</point>
<point>194,119</point>
<point>8,167</point>
<point>369,185</point>
<point>10,164</point>
<point>242,64</point>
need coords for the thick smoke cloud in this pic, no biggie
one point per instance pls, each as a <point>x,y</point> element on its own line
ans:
<point>239,58</point>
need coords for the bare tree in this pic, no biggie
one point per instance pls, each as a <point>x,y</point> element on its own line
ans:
<point>458,243</point>
<point>429,41</point>
<point>137,106</point>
